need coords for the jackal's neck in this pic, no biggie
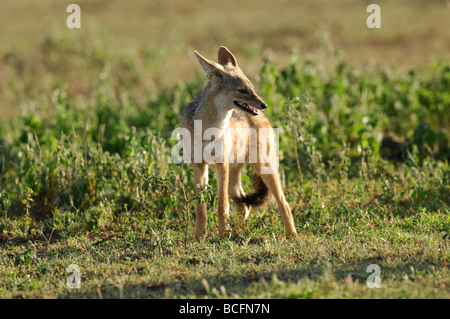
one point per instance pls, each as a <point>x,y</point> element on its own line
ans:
<point>212,115</point>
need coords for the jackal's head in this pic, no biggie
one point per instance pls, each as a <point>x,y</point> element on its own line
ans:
<point>232,89</point>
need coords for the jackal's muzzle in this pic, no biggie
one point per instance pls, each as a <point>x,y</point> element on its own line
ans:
<point>246,107</point>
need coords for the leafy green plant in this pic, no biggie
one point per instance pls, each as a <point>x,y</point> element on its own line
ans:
<point>24,258</point>
<point>173,184</point>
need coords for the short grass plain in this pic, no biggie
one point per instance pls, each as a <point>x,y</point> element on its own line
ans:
<point>85,139</point>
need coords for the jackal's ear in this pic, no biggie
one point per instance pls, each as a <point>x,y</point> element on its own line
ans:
<point>226,57</point>
<point>210,67</point>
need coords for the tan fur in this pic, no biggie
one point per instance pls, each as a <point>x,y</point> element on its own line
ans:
<point>214,106</point>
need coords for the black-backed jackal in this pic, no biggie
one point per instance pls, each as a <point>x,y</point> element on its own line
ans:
<point>229,106</point>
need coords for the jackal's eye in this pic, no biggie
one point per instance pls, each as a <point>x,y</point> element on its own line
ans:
<point>243,91</point>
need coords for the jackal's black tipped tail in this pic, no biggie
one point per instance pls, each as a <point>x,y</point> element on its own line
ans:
<point>260,195</point>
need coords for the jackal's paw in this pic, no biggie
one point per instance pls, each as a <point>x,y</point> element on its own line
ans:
<point>246,212</point>
<point>199,235</point>
<point>243,210</point>
<point>223,231</point>
<point>224,234</point>
<point>291,236</point>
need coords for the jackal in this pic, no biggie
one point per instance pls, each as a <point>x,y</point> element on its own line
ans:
<point>228,101</point>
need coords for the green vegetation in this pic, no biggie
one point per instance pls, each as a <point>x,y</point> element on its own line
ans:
<point>86,178</point>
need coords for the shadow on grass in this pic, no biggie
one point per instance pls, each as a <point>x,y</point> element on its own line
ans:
<point>267,284</point>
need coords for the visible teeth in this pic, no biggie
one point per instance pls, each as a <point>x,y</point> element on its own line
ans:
<point>246,106</point>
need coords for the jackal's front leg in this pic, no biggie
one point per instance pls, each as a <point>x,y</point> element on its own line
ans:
<point>200,179</point>
<point>222,172</point>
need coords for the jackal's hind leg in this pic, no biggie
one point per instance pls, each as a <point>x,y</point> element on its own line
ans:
<point>236,190</point>
<point>274,184</point>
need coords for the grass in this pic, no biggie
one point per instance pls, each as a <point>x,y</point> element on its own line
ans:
<point>86,176</point>
<point>137,257</point>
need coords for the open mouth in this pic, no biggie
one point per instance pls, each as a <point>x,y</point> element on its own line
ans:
<point>246,107</point>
